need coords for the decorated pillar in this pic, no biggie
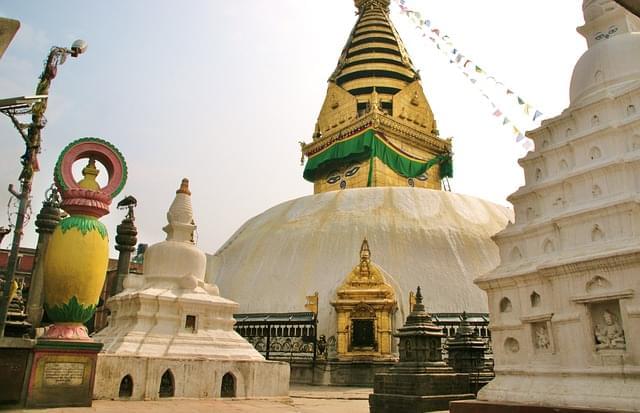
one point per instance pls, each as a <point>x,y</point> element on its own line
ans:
<point>126,240</point>
<point>77,257</point>
<point>46,222</point>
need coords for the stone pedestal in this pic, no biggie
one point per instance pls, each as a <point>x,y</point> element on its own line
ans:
<point>62,374</point>
<point>421,381</point>
<point>430,391</point>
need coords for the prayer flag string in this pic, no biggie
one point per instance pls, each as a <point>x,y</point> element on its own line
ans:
<point>476,74</point>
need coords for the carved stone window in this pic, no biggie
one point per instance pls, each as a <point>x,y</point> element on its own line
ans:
<point>535,299</point>
<point>505,305</point>
<point>595,153</point>
<point>190,323</point>
<point>515,255</point>
<point>511,345</point>
<point>597,234</point>
<point>167,384</point>
<point>596,191</point>
<point>228,387</point>
<point>126,387</point>
<point>548,247</point>
<point>564,165</point>
<point>538,174</point>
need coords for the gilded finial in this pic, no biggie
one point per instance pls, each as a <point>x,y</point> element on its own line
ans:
<point>184,187</point>
<point>89,173</point>
<point>365,258</point>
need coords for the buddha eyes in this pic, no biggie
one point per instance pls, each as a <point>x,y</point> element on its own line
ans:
<point>422,177</point>
<point>335,176</point>
<point>612,30</point>
<point>352,171</point>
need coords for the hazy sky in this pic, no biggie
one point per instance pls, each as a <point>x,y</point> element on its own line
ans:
<point>222,91</point>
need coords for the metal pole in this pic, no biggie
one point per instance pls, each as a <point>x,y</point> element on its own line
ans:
<point>29,160</point>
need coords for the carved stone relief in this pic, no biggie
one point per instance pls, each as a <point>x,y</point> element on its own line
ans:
<point>607,326</point>
<point>541,336</point>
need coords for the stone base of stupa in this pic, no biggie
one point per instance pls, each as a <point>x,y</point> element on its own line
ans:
<point>193,378</point>
<point>478,406</point>
<point>613,389</point>
<point>417,393</point>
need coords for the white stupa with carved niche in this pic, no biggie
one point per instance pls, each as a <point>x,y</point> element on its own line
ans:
<point>565,301</point>
<point>170,333</point>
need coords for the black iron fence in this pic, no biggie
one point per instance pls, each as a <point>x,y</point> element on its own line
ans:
<point>280,336</point>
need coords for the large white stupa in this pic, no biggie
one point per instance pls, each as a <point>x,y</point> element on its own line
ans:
<point>435,239</point>
<point>378,165</point>
<point>170,333</point>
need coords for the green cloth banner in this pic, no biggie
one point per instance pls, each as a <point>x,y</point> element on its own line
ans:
<point>366,146</point>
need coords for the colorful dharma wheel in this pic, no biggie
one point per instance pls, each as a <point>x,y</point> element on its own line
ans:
<point>76,260</point>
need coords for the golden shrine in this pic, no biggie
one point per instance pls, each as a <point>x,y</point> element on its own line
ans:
<point>376,127</point>
<point>365,307</point>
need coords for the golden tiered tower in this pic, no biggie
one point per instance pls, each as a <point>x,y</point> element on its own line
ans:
<point>376,127</point>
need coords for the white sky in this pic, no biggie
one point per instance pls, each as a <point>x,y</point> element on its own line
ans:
<point>222,91</point>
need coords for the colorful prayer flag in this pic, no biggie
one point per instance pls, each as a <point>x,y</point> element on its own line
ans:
<point>497,113</point>
<point>537,115</point>
<point>520,101</point>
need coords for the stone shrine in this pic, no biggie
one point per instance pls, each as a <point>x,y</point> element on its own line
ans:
<point>171,334</point>
<point>421,381</point>
<point>565,301</point>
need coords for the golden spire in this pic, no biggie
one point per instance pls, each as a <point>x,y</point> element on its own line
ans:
<point>374,93</point>
<point>90,173</point>
<point>184,187</point>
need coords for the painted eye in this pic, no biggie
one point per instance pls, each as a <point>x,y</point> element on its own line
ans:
<point>333,177</point>
<point>613,29</point>
<point>422,177</point>
<point>352,171</point>
<point>600,36</point>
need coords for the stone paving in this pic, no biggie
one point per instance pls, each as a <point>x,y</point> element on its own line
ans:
<point>303,399</point>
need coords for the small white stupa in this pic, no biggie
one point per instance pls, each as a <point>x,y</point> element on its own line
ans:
<point>170,333</point>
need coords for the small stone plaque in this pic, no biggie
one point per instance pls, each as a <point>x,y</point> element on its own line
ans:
<point>63,374</point>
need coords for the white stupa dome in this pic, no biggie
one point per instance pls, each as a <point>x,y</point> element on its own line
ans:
<point>419,237</point>
<point>611,62</point>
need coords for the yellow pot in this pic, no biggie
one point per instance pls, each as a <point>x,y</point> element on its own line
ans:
<point>75,266</point>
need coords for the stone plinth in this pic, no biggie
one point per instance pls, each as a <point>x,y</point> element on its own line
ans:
<point>421,381</point>
<point>62,374</point>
